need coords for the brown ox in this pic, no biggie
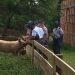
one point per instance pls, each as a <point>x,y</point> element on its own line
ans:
<point>13,46</point>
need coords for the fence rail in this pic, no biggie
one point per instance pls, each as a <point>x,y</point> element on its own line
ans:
<point>51,63</point>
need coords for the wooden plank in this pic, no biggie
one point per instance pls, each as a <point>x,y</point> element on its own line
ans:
<point>46,51</point>
<point>68,6</point>
<point>32,51</point>
<point>60,55</point>
<point>64,66</point>
<point>29,50</point>
<point>43,64</point>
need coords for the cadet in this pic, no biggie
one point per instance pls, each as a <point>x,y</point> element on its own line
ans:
<point>57,38</point>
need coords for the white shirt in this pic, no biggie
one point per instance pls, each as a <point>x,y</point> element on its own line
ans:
<point>39,31</point>
<point>57,32</point>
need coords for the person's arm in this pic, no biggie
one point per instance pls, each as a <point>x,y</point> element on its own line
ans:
<point>61,32</point>
<point>33,35</point>
<point>45,32</point>
<point>56,34</point>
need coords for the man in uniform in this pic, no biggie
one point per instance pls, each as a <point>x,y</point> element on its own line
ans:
<point>57,38</point>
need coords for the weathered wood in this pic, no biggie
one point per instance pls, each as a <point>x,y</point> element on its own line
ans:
<point>60,55</point>
<point>32,51</point>
<point>64,66</point>
<point>46,51</point>
<point>43,64</point>
<point>29,50</point>
<point>67,21</point>
<point>49,66</point>
<point>58,70</point>
<point>69,6</point>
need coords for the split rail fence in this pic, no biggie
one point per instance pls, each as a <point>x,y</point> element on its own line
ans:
<point>45,59</point>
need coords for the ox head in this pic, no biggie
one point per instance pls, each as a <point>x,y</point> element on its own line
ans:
<point>23,40</point>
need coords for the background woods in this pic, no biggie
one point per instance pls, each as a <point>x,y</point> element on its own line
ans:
<point>15,13</point>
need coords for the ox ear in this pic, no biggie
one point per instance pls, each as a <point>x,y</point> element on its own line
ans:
<point>22,37</point>
<point>21,40</point>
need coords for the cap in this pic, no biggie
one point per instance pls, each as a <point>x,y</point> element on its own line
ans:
<point>30,25</point>
<point>56,23</point>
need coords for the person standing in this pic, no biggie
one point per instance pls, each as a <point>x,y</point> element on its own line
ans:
<point>28,27</point>
<point>57,38</point>
<point>45,37</point>
<point>37,31</point>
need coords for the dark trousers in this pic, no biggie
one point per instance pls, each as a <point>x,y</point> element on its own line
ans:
<point>43,41</point>
<point>56,45</point>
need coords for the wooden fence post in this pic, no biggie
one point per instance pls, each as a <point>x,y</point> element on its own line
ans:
<point>60,55</point>
<point>54,66</point>
<point>32,51</point>
<point>57,68</point>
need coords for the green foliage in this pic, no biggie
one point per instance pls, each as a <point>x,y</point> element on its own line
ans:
<point>24,10</point>
<point>69,54</point>
<point>68,47</point>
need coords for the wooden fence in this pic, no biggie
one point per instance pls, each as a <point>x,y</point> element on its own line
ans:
<point>50,63</point>
<point>67,20</point>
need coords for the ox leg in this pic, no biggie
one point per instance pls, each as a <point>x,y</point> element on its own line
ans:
<point>23,51</point>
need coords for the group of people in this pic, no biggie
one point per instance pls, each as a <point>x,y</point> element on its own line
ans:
<point>38,31</point>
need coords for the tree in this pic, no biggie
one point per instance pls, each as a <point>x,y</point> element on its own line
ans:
<point>14,12</point>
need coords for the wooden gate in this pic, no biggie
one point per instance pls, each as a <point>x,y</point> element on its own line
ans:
<point>67,20</point>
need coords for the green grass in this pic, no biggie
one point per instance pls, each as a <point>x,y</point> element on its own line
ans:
<point>69,54</point>
<point>17,65</point>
